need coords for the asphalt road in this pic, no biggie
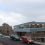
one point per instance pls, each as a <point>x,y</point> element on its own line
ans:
<point>7,41</point>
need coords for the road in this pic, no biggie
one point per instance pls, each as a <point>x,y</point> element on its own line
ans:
<point>6,41</point>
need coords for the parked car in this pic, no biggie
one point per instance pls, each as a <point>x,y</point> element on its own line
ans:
<point>6,36</point>
<point>27,40</point>
<point>15,37</point>
<point>1,36</point>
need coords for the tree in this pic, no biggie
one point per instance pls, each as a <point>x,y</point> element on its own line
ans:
<point>6,29</point>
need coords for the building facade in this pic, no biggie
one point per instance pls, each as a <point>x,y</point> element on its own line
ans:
<point>36,29</point>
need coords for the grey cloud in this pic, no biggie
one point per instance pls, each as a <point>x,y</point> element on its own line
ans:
<point>28,10</point>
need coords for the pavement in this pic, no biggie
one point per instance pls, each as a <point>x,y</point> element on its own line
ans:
<point>41,43</point>
<point>1,43</point>
<point>7,41</point>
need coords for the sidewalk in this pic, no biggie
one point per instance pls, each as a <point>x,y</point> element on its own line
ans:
<point>1,44</point>
<point>42,43</point>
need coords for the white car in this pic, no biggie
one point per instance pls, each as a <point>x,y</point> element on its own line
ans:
<point>15,37</point>
<point>1,36</point>
<point>6,36</point>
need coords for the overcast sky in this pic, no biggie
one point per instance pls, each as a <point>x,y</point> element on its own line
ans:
<point>15,12</point>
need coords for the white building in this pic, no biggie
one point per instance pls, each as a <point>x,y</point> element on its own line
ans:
<point>36,29</point>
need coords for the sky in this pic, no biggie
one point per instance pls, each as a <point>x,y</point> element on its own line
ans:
<point>16,12</point>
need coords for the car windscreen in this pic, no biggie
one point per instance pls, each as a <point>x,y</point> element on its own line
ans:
<point>16,36</point>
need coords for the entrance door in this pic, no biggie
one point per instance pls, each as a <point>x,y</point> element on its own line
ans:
<point>42,39</point>
<point>21,33</point>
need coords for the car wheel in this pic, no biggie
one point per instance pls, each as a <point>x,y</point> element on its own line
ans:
<point>28,42</point>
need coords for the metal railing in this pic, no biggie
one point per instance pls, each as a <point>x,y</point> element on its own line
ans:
<point>29,29</point>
